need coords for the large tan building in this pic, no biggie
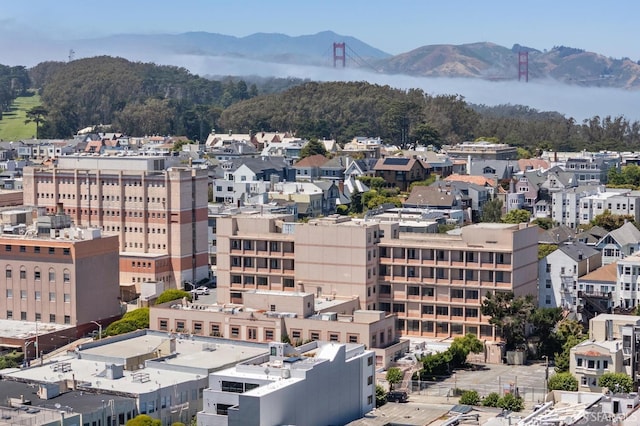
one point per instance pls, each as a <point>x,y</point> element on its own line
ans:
<point>69,279</point>
<point>433,283</point>
<point>160,215</point>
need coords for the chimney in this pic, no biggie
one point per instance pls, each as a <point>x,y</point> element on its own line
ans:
<point>341,187</point>
<point>300,286</point>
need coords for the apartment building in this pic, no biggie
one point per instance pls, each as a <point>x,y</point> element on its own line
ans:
<point>69,277</point>
<point>159,213</point>
<point>616,201</point>
<point>434,283</point>
<point>627,289</point>
<point>565,204</point>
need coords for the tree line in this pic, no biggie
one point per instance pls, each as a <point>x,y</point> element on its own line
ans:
<point>143,98</point>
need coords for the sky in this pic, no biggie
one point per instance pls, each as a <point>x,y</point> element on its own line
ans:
<point>393,26</point>
<point>37,30</point>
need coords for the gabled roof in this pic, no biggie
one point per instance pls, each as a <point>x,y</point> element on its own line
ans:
<point>526,164</point>
<point>578,251</point>
<point>428,196</point>
<point>559,234</point>
<point>261,164</point>
<point>395,163</point>
<point>338,162</point>
<point>535,177</point>
<point>503,169</point>
<point>626,234</point>
<point>477,180</point>
<point>592,236</point>
<point>316,160</point>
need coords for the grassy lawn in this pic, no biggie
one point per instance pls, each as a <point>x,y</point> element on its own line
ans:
<point>12,127</point>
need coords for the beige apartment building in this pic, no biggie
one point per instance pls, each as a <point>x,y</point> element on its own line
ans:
<point>434,283</point>
<point>274,316</point>
<point>71,278</point>
<point>159,213</point>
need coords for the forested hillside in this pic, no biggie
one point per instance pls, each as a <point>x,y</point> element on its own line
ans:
<point>14,82</point>
<point>142,98</point>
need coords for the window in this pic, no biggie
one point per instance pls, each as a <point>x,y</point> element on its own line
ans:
<point>456,312</point>
<point>23,274</point>
<point>7,273</point>
<point>52,297</point>
<point>427,309</point>
<point>164,324</point>
<point>605,364</point>
<point>23,316</point>
<point>7,247</point>
<point>442,310</point>
<point>268,334</point>
<point>370,361</point>
<point>52,317</point>
<point>296,334</point>
<point>9,314</point>
<point>427,291</point>
<point>353,338</point>
<point>38,295</point>
<point>36,275</point>
<point>23,249</point>
<point>370,380</point>
<point>398,307</point>
<point>66,276</point>
<point>67,298</point>
<point>235,332</point>
<point>66,251</point>
<point>36,249</point>
<point>579,362</point>
<point>334,337</point>
<point>9,293</point>
<point>52,275</point>
<point>314,335</point>
<point>52,250</point>
<point>252,333</point>
<point>23,294</point>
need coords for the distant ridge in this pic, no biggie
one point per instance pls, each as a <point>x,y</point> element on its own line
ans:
<point>474,60</point>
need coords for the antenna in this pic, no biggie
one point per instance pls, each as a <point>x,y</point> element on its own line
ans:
<point>71,55</point>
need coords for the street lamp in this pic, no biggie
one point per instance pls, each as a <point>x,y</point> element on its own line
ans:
<point>546,376</point>
<point>26,345</point>
<point>99,329</point>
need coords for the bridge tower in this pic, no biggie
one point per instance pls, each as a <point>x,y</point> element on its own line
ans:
<point>339,55</point>
<point>523,66</point>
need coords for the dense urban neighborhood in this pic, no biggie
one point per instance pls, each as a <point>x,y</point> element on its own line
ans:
<point>265,278</point>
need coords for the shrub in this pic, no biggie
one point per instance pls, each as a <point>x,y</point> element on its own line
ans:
<point>562,381</point>
<point>172,294</point>
<point>491,400</point>
<point>381,396</point>
<point>616,382</point>
<point>511,403</point>
<point>470,397</point>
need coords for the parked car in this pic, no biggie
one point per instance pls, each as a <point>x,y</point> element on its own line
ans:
<point>202,290</point>
<point>397,396</point>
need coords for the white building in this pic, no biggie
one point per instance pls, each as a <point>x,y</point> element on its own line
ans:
<point>627,294</point>
<point>616,201</point>
<point>565,204</point>
<point>313,384</point>
<point>619,243</point>
<point>558,275</point>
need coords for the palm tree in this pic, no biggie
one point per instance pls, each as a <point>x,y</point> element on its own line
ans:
<point>36,115</point>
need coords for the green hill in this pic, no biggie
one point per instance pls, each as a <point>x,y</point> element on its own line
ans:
<point>12,127</point>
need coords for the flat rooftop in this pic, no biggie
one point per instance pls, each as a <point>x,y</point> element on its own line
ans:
<point>193,360</point>
<point>27,329</point>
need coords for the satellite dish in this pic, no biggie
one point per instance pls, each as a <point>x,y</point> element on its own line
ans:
<point>57,405</point>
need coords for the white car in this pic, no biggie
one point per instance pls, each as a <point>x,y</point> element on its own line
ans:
<point>202,290</point>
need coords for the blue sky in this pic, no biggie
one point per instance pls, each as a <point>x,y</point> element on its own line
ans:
<point>393,26</point>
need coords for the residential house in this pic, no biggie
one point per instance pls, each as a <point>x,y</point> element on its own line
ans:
<point>309,197</point>
<point>619,243</point>
<point>290,149</point>
<point>470,197</point>
<point>530,164</point>
<point>592,171</point>
<point>330,196</point>
<point>439,163</point>
<point>501,170</point>
<point>627,294</point>
<point>401,171</point>
<point>429,197</point>
<point>363,167</point>
<point>612,347</point>
<point>529,183</point>
<point>558,275</point>
<point>309,167</point>
<point>556,235</point>
<point>366,146</point>
<point>591,236</point>
<point>598,291</point>
<point>334,168</point>
<point>557,180</point>
<point>565,204</point>
<point>621,202</point>
<point>482,150</point>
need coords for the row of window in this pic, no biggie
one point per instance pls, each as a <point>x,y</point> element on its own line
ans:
<point>37,249</point>
<point>444,255</point>
<point>83,180</point>
<point>37,275</point>
<point>443,328</point>
<point>427,291</point>
<point>38,317</point>
<point>37,295</point>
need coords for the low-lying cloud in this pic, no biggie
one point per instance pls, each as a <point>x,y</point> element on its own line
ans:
<point>544,95</point>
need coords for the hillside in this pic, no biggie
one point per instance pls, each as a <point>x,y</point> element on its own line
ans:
<point>494,62</point>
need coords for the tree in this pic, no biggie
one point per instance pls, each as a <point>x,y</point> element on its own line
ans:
<point>470,397</point>
<point>544,320</point>
<point>491,400</point>
<point>562,381</point>
<point>610,221</point>
<point>394,376</point>
<point>143,420</point>
<point>545,223</point>
<point>510,314</point>
<point>172,294</point>
<point>516,216</point>
<point>424,134</point>
<point>461,347</point>
<point>492,210</point>
<point>511,402</point>
<point>616,382</point>
<point>313,147</point>
<point>545,250</point>
<point>381,396</point>
<point>131,321</point>
<point>569,333</point>
<point>37,115</point>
